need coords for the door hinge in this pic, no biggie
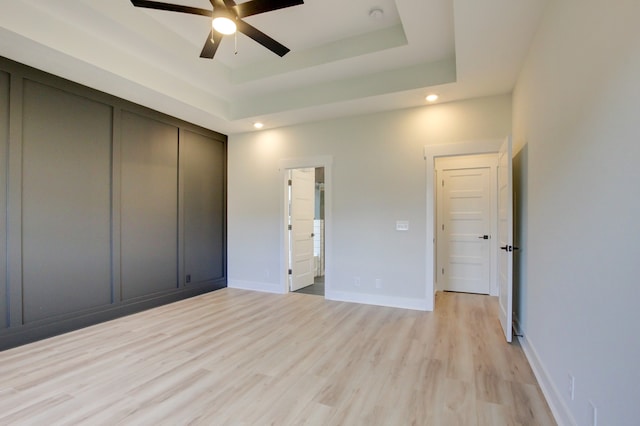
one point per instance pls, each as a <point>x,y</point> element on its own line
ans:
<point>289,227</point>
<point>289,182</point>
<point>442,271</point>
<point>290,271</point>
<point>443,226</point>
<point>443,183</point>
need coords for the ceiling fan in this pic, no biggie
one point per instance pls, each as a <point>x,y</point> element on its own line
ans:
<point>226,19</point>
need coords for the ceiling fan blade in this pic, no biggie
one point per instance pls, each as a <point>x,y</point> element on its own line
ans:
<point>260,6</point>
<point>218,4</point>
<point>210,47</point>
<point>229,3</point>
<point>261,38</point>
<point>171,7</point>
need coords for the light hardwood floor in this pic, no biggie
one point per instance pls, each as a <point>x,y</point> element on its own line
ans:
<point>234,357</point>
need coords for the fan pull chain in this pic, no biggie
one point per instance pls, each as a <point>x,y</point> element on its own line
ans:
<point>235,41</point>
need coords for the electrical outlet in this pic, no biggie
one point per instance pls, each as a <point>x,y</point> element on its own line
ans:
<point>356,281</point>
<point>378,282</point>
<point>572,387</point>
<point>593,413</point>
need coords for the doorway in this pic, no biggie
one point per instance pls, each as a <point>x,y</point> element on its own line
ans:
<point>431,153</point>
<point>306,230</point>
<point>320,252</point>
<point>466,223</point>
<point>503,233</point>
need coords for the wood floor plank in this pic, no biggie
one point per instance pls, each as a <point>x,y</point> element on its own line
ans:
<point>246,358</point>
<point>490,414</point>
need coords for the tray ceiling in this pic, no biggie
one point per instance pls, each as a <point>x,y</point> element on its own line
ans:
<point>342,61</point>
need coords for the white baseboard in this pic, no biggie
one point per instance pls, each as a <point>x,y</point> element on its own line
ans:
<point>340,296</point>
<point>256,286</point>
<point>379,300</point>
<point>557,405</point>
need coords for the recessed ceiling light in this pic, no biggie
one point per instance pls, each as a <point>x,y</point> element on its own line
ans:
<point>432,97</point>
<point>258,125</point>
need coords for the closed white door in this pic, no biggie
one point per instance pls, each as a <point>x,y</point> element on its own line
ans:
<point>505,237</point>
<point>301,220</point>
<point>465,227</point>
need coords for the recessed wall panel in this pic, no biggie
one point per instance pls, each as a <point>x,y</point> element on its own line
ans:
<point>149,199</point>
<point>203,166</point>
<point>66,199</point>
<point>4,141</point>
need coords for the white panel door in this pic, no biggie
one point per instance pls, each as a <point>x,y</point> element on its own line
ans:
<point>302,214</point>
<point>505,237</point>
<point>465,230</point>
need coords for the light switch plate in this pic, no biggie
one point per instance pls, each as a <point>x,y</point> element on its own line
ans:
<point>402,225</point>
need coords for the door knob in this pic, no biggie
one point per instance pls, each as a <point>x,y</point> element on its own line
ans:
<point>484,237</point>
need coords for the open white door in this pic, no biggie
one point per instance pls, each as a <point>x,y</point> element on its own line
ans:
<point>505,237</point>
<point>302,214</point>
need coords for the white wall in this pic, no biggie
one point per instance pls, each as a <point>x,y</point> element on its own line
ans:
<point>577,113</point>
<point>378,178</point>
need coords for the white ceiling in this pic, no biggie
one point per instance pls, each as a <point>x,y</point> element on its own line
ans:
<point>342,61</point>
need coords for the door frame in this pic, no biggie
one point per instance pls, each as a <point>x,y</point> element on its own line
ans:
<point>284,165</point>
<point>490,161</point>
<point>431,152</point>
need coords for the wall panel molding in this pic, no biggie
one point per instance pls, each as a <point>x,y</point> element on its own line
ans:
<point>92,186</point>
<point>4,155</point>
<point>66,198</point>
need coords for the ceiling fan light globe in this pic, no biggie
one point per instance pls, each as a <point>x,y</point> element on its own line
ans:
<point>223,25</point>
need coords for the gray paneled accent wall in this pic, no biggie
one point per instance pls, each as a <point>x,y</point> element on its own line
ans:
<point>204,241</point>
<point>105,206</point>
<point>66,202</point>
<point>149,220</point>
<point>4,143</point>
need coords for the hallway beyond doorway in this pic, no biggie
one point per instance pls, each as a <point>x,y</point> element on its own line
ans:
<point>317,288</point>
